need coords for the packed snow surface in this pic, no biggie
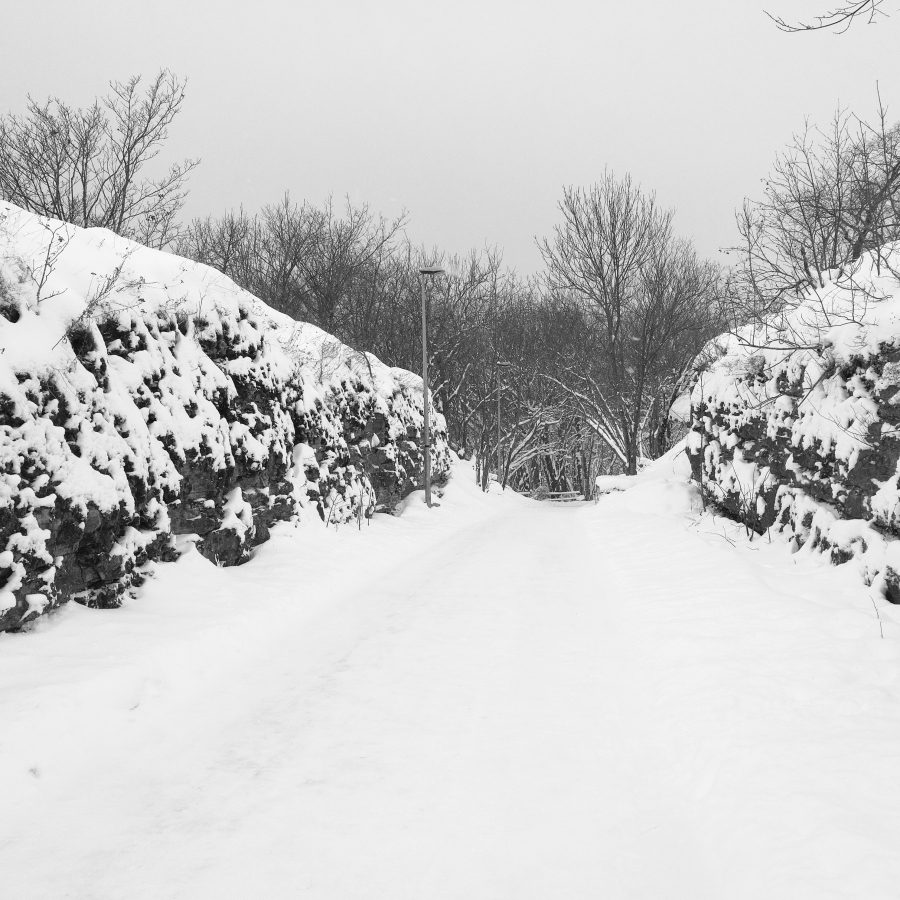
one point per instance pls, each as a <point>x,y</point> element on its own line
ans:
<point>496,698</point>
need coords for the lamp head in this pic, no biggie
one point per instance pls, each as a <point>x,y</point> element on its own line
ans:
<point>431,270</point>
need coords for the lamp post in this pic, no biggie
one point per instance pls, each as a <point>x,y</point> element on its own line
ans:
<point>426,272</point>
<point>501,364</point>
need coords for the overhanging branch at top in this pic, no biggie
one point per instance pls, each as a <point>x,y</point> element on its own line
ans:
<point>839,18</point>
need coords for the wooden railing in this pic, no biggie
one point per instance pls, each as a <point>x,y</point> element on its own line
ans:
<point>564,496</point>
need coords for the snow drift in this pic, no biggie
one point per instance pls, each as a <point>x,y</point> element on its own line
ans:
<point>146,398</point>
<point>795,426</point>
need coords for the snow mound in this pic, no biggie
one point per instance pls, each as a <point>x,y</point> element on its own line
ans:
<point>145,396</point>
<point>663,487</point>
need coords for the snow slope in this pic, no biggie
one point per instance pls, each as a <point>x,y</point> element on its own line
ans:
<point>499,699</point>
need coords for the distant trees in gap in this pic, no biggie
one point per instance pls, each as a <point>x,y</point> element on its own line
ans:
<point>581,366</point>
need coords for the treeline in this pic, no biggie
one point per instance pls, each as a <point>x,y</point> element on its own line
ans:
<point>547,380</point>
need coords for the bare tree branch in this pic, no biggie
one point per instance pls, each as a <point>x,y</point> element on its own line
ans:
<point>840,18</point>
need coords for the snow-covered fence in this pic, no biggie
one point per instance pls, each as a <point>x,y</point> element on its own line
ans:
<point>143,397</point>
<point>795,427</point>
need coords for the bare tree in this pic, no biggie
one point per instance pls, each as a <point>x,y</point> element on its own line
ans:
<point>832,196</point>
<point>86,166</point>
<point>308,262</point>
<point>346,251</point>
<point>224,244</point>
<point>631,308</point>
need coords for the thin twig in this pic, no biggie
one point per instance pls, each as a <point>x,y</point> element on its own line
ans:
<point>878,614</point>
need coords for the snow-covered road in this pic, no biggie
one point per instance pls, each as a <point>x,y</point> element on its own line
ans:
<point>494,699</point>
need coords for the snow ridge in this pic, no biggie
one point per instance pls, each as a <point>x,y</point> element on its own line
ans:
<point>795,426</point>
<point>144,397</point>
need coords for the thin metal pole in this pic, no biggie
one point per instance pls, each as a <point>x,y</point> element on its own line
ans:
<point>425,431</point>
<point>499,457</point>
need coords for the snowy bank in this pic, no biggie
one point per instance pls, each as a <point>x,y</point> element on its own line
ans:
<point>795,426</point>
<point>663,487</point>
<point>144,398</point>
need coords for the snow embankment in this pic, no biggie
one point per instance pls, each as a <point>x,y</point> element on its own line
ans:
<point>795,426</point>
<point>145,398</point>
<point>664,487</point>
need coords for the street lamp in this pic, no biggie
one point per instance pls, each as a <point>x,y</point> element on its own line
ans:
<point>501,364</point>
<point>426,272</point>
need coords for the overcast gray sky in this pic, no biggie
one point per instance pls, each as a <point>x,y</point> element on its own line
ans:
<point>471,115</point>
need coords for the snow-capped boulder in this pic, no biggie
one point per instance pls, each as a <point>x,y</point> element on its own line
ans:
<point>144,396</point>
<point>795,426</point>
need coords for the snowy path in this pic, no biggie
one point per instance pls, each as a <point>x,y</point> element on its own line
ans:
<point>499,699</point>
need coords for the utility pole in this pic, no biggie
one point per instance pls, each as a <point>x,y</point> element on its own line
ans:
<point>426,431</point>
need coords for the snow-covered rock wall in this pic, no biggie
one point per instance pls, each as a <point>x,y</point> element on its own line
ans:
<point>145,397</point>
<point>795,426</point>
